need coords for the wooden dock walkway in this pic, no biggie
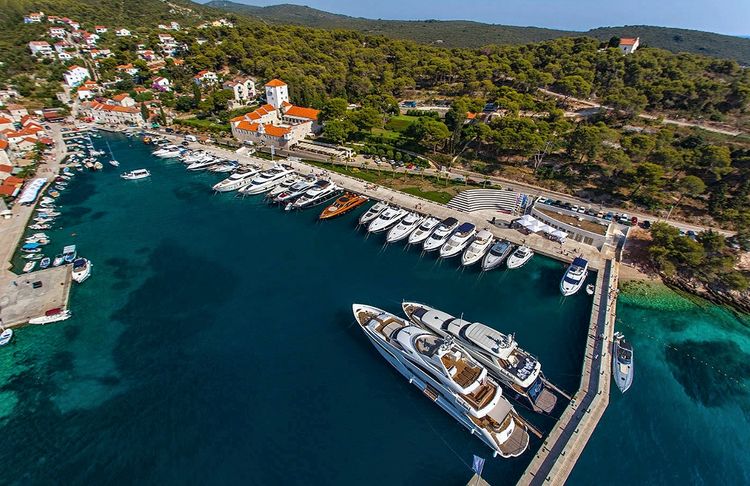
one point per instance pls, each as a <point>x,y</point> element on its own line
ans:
<point>558,454</point>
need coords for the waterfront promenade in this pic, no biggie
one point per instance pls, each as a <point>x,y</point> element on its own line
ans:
<point>19,299</point>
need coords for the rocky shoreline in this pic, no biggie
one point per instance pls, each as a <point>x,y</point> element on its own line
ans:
<point>736,300</point>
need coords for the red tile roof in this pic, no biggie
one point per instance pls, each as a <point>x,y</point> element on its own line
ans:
<point>7,190</point>
<point>275,83</point>
<point>13,181</point>
<point>6,168</point>
<point>269,129</point>
<point>3,145</point>
<point>302,112</point>
<point>5,120</point>
<point>628,41</point>
<point>122,109</point>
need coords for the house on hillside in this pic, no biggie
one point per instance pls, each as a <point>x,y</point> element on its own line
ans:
<point>127,69</point>
<point>123,99</point>
<point>113,113</point>
<point>122,33</point>
<point>628,45</point>
<point>243,89</point>
<point>100,29</point>
<point>75,75</point>
<point>205,78</point>
<point>161,84</point>
<point>33,18</point>
<point>57,32</point>
<point>40,49</point>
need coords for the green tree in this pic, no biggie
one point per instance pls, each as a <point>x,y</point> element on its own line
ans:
<point>338,130</point>
<point>334,109</point>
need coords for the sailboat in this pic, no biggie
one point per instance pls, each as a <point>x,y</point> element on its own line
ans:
<point>112,160</point>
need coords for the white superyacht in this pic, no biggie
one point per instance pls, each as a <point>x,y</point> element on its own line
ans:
<point>404,227</point>
<point>386,220</point>
<point>267,180</point>
<point>519,371</point>
<point>236,181</point>
<point>449,376</point>
<point>423,231</point>
<point>478,248</point>
<point>574,277</point>
<point>458,241</point>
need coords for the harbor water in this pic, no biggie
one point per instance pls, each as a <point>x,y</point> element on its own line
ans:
<point>214,343</point>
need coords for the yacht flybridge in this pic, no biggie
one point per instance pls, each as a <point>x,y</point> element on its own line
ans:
<point>448,375</point>
<point>440,235</point>
<point>404,227</point>
<point>236,181</point>
<point>424,230</point>
<point>517,370</point>
<point>458,241</point>
<point>574,276</point>
<point>267,180</point>
<point>477,249</point>
<point>386,220</point>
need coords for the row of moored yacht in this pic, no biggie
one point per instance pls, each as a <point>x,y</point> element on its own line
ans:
<point>447,237</point>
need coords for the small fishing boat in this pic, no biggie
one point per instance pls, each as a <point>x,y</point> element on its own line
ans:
<point>622,362</point>
<point>114,163</point>
<point>6,336</point>
<point>519,257</point>
<point>69,253</point>
<point>81,269</point>
<point>53,315</point>
<point>54,194</point>
<point>45,262</point>
<point>59,260</point>
<point>112,160</point>
<point>29,266</point>
<point>39,226</point>
<point>373,212</point>
<point>136,174</point>
<point>32,256</point>
<point>343,205</point>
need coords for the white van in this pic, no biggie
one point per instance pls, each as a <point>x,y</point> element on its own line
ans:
<point>190,138</point>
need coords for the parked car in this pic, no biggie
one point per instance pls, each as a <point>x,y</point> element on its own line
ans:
<point>185,144</point>
<point>634,221</point>
<point>609,216</point>
<point>692,235</point>
<point>582,210</point>
<point>542,200</point>
<point>169,130</point>
<point>574,208</point>
<point>646,224</point>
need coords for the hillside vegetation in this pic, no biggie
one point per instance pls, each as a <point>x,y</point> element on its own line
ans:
<point>459,33</point>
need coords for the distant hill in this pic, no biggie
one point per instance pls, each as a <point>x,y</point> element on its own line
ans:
<point>461,33</point>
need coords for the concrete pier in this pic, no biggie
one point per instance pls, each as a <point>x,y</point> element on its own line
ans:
<point>558,454</point>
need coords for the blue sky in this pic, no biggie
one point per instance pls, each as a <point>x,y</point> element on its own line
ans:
<point>723,16</point>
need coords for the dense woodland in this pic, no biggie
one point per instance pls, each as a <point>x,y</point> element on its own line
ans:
<point>693,174</point>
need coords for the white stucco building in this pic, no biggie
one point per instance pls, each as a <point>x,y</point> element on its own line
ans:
<point>277,93</point>
<point>628,45</point>
<point>75,75</point>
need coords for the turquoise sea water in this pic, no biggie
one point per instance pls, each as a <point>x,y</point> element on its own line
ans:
<point>214,344</point>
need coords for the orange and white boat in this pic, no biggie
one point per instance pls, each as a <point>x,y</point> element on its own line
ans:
<point>343,205</point>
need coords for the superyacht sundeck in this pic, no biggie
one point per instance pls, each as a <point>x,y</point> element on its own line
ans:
<point>236,181</point>
<point>136,174</point>
<point>343,205</point>
<point>517,370</point>
<point>267,180</point>
<point>519,257</point>
<point>497,254</point>
<point>294,191</point>
<point>373,212</point>
<point>574,276</point>
<point>458,240</point>
<point>447,374</point>
<point>441,234</point>
<point>386,220</point>
<point>423,231</point>
<point>81,269</point>
<point>478,248</point>
<point>404,227</point>
<point>622,362</point>
<point>322,191</point>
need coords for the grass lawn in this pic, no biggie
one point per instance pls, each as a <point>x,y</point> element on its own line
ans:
<point>386,134</point>
<point>437,196</point>
<point>400,123</point>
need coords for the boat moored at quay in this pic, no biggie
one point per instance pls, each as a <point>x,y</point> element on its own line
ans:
<point>516,369</point>
<point>447,374</point>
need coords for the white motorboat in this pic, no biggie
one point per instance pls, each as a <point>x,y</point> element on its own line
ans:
<point>282,187</point>
<point>404,227</point>
<point>622,362</point>
<point>373,212</point>
<point>447,374</point>
<point>423,231</point>
<point>519,257</point>
<point>204,164</point>
<point>499,251</point>
<point>59,260</point>
<point>574,276</point>
<point>136,174</point>
<point>458,241</point>
<point>267,180</point>
<point>114,163</point>
<point>478,248</point>
<point>54,315</point>
<point>223,167</point>
<point>236,181</point>
<point>516,369</point>
<point>441,234</point>
<point>386,220</point>
<point>294,191</point>
<point>29,266</point>
<point>81,269</point>
<point>6,336</point>
<point>322,191</point>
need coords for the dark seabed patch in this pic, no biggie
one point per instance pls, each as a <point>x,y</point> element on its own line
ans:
<point>191,191</point>
<point>74,216</point>
<point>98,215</point>
<point>84,189</point>
<point>719,380</point>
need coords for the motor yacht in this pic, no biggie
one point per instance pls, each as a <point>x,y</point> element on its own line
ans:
<point>458,241</point>
<point>499,251</point>
<point>267,180</point>
<point>204,164</point>
<point>347,202</point>
<point>386,220</point>
<point>236,181</point>
<point>403,229</point>
<point>441,234</point>
<point>294,191</point>
<point>29,266</point>
<point>519,257</point>
<point>478,248</point>
<point>516,369</point>
<point>81,269</point>
<point>423,231</point>
<point>373,212</point>
<point>322,191</point>
<point>136,174</point>
<point>574,276</point>
<point>223,166</point>
<point>447,374</point>
<point>622,362</point>
<point>282,187</point>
